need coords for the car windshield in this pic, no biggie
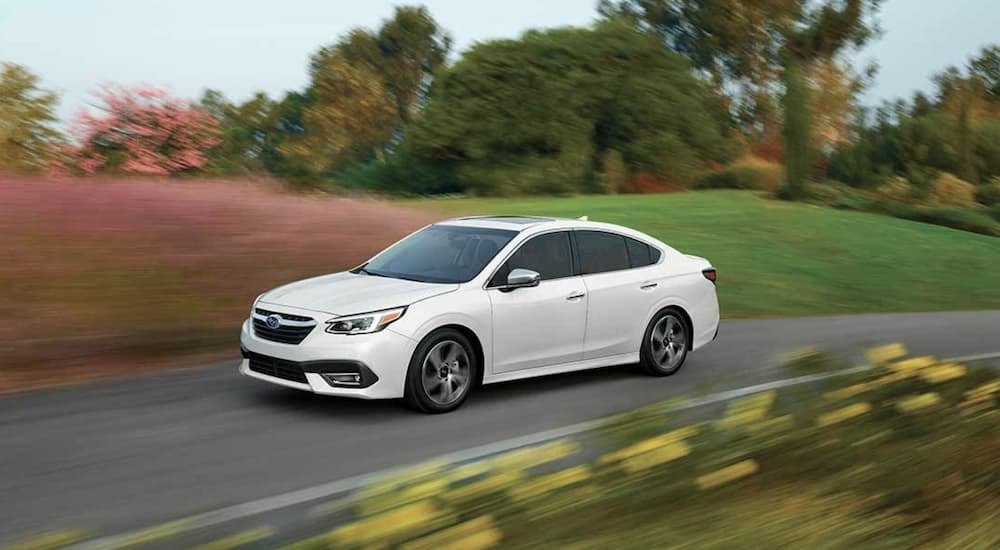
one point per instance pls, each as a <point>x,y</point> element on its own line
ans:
<point>440,254</point>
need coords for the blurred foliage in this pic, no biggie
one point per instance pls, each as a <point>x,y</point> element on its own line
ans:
<point>541,114</point>
<point>365,88</point>
<point>797,142</point>
<point>902,455</point>
<point>29,140</point>
<point>739,177</point>
<point>745,48</point>
<point>657,95</point>
<point>142,130</point>
<point>957,131</point>
<point>949,190</point>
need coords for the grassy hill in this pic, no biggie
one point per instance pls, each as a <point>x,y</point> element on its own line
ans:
<point>777,258</point>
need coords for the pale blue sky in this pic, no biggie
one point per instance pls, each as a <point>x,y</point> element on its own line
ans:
<point>247,45</point>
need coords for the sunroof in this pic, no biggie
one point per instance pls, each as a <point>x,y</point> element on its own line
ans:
<point>517,220</point>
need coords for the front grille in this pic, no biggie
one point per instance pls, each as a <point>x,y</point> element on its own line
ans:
<point>291,330</point>
<point>278,368</point>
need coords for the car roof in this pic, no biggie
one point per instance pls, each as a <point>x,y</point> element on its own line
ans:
<point>538,224</point>
<point>515,223</point>
<point>534,223</point>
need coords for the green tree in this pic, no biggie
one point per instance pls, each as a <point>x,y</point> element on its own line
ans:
<point>28,139</point>
<point>796,131</point>
<point>750,45</point>
<point>986,68</point>
<point>540,114</point>
<point>350,112</point>
<point>249,132</point>
<point>367,87</point>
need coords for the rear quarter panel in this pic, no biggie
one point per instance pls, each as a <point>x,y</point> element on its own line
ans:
<point>682,284</point>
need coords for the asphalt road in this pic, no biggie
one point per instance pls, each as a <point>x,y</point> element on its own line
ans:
<point>118,455</point>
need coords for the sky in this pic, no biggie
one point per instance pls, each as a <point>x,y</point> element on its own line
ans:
<point>241,46</point>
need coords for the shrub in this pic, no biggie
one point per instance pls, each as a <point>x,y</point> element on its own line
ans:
<point>834,193</point>
<point>524,176</point>
<point>743,177</point>
<point>614,174</point>
<point>401,174</point>
<point>896,189</point>
<point>989,193</point>
<point>994,212</point>
<point>771,175</point>
<point>958,218</point>
<point>950,190</point>
<point>947,216</point>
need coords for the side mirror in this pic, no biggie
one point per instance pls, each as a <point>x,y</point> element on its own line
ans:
<point>522,278</point>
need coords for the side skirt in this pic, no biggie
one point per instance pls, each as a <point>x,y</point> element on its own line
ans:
<point>586,364</point>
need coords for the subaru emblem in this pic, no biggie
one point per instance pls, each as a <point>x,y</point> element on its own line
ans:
<point>273,321</point>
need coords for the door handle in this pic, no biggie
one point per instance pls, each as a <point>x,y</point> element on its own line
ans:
<point>575,296</point>
<point>648,286</point>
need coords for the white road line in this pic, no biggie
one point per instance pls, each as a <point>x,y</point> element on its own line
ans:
<point>971,358</point>
<point>316,492</point>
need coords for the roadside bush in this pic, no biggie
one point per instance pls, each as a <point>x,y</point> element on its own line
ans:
<point>994,212</point>
<point>743,177</point>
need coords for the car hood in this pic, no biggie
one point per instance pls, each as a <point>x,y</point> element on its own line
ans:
<point>349,293</point>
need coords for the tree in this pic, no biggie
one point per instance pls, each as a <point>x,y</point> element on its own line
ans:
<point>350,111</point>
<point>249,132</point>
<point>748,45</point>
<point>972,97</point>
<point>986,68</point>
<point>143,130</point>
<point>28,139</point>
<point>542,114</point>
<point>796,130</point>
<point>366,88</point>
<point>406,52</point>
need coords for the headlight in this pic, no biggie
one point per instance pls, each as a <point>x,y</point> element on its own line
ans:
<point>364,323</point>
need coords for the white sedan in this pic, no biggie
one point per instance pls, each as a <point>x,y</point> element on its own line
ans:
<point>479,300</point>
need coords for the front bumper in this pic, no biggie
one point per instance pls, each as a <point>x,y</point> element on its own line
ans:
<point>379,360</point>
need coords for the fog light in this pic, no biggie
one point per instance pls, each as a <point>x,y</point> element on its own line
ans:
<point>342,378</point>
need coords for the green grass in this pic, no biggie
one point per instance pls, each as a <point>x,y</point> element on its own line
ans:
<point>778,258</point>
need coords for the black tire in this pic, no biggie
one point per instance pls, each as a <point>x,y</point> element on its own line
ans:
<point>446,393</point>
<point>664,354</point>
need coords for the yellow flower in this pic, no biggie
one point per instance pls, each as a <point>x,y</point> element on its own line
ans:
<point>727,474</point>
<point>884,354</point>
<point>843,413</point>
<point>917,402</point>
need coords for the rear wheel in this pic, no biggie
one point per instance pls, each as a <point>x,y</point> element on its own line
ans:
<point>664,344</point>
<point>441,372</point>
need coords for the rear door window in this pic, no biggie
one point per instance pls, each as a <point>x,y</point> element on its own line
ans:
<point>601,252</point>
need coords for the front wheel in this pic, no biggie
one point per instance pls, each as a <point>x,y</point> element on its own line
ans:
<point>664,344</point>
<point>441,372</point>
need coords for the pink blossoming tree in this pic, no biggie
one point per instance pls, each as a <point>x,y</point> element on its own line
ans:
<point>143,130</point>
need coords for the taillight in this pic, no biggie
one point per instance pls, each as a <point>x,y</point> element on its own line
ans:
<point>709,273</point>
